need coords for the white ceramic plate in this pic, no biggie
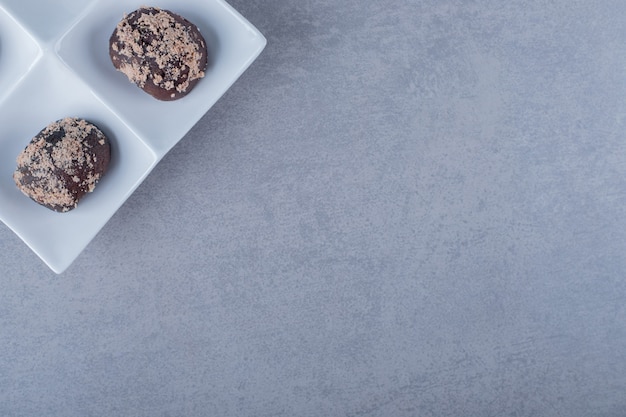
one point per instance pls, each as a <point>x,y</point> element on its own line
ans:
<point>55,63</point>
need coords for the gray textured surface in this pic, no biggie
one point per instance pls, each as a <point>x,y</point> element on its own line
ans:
<point>404,208</point>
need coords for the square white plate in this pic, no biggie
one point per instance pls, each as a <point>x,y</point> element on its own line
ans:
<point>56,64</point>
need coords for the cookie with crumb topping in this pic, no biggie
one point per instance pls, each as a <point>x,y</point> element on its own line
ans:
<point>62,163</point>
<point>158,50</point>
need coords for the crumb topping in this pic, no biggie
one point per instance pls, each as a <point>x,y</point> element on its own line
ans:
<point>58,165</point>
<point>152,36</point>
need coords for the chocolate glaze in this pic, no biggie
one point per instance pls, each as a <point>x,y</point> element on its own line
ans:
<point>62,163</point>
<point>161,52</point>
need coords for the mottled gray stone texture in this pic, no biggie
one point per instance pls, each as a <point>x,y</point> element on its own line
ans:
<point>403,208</point>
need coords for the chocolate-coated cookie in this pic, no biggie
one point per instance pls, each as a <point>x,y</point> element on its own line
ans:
<point>63,163</point>
<point>160,51</point>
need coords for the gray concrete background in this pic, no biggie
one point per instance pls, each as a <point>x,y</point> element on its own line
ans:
<point>403,208</point>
